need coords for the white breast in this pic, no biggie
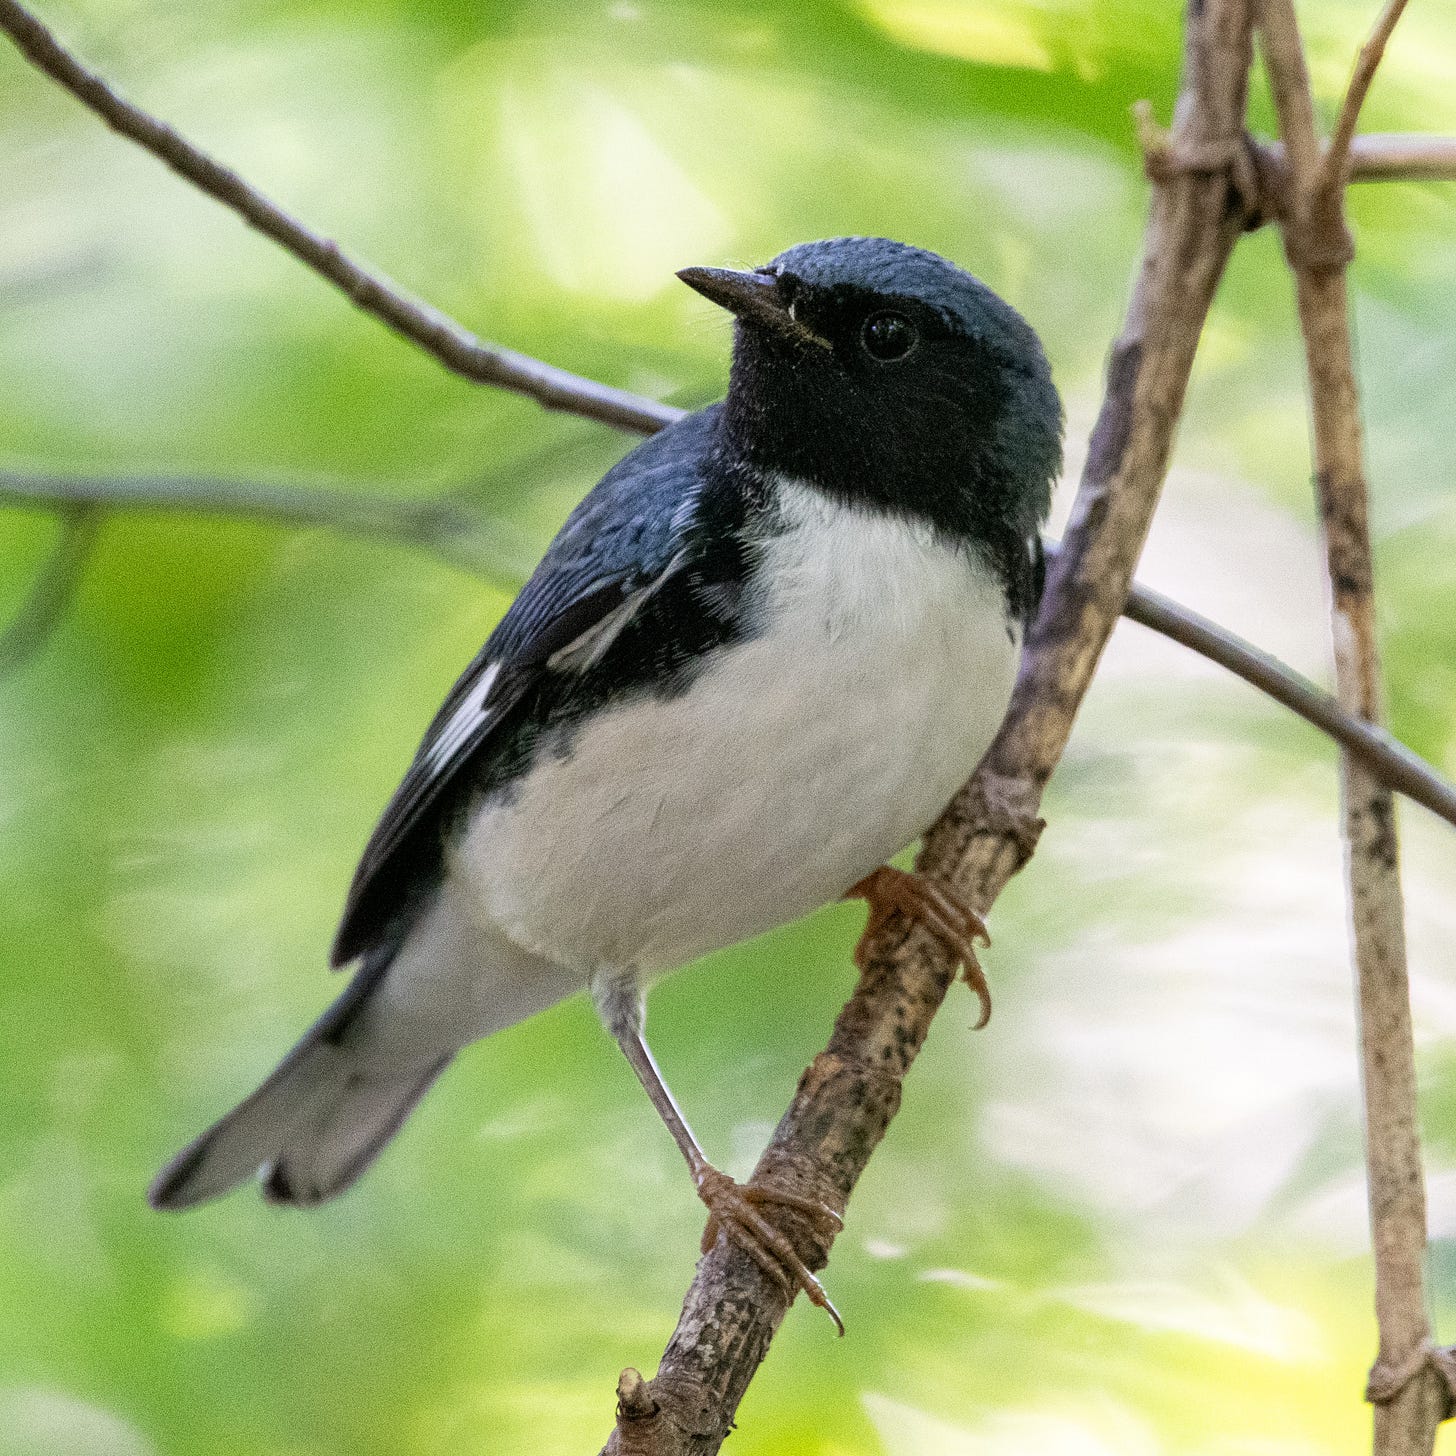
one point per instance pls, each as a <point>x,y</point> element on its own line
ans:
<point>804,758</point>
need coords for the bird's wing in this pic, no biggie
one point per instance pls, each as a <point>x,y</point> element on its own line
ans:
<point>631,534</point>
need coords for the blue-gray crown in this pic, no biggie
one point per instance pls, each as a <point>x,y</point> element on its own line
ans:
<point>882,265</point>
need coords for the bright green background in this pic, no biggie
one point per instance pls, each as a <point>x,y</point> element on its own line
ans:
<point>1127,1218</point>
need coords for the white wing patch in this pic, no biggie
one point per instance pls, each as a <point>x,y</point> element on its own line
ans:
<point>791,765</point>
<point>469,716</point>
<point>585,651</point>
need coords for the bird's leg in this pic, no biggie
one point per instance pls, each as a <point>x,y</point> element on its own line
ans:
<point>732,1206</point>
<point>888,889</point>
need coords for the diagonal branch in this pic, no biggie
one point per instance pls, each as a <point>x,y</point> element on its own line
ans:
<point>851,1091</point>
<point>1408,1383</point>
<point>54,587</point>
<point>455,347</point>
<point>1385,755</point>
<point>1289,80</point>
<point>1372,158</point>
<point>1331,174</point>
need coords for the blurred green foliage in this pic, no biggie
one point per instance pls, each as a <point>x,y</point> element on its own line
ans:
<point>1128,1218</point>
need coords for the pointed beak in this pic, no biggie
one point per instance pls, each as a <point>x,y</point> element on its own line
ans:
<point>752,297</point>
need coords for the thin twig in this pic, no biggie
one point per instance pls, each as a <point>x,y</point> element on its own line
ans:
<point>1383,157</point>
<point>1386,756</point>
<point>54,586</point>
<point>1332,167</point>
<point>438,335</point>
<point>1408,1382</point>
<point>461,537</point>
<point>470,540</point>
<point>1402,157</point>
<point>849,1094</point>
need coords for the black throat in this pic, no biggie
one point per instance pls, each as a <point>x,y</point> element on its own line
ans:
<point>949,451</point>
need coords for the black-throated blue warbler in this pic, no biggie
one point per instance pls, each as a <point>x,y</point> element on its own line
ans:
<point>757,661</point>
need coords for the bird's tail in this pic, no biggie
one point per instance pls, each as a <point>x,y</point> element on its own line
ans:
<point>339,1096</point>
<point>313,1127</point>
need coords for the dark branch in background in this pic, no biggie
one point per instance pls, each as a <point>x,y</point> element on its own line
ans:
<point>50,596</point>
<point>455,347</point>
<point>463,537</point>
<point>1395,764</point>
<point>437,334</point>
<point>1410,1381</point>
<point>458,535</point>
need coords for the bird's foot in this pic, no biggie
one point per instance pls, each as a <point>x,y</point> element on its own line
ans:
<point>941,912</point>
<point>733,1208</point>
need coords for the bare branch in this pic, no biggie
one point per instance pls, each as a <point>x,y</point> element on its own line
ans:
<point>1289,81</point>
<point>1408,1381</point>
<point>850,1093</point>
<point>1402,157</point>
<point>1337,154</point>
<point>1384,754</point>
<point>462,537</point>
<point>438,335</point>
<point>1382,157</point>
<point>54,587</point>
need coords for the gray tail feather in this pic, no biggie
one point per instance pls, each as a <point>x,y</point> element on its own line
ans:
<point>314,1125</point>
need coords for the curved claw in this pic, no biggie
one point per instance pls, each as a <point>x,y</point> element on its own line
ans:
<point>941,912</point>
<point>975,978</point>
<point>731,1211</point>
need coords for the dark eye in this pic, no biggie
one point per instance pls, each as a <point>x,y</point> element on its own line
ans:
<point>888,336</point>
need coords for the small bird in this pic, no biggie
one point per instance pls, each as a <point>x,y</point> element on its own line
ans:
<point>758,660</point>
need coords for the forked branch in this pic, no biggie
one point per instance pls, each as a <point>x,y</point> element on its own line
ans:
<point>1330,177</point>
<point>1409,1381</point>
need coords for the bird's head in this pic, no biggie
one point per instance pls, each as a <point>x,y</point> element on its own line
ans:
<point>886,374</point>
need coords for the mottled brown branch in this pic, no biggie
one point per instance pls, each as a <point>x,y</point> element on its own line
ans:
<point>851,1091</point>
<point>1408,1382</point>
<point>438,335</point>
<point>55,585</point>
<point>1283,50</point>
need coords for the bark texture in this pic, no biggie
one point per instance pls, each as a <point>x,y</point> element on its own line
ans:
<point>851,1091</point>
<point>1408,1383</point>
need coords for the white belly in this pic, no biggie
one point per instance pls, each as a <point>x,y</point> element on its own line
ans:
<point>799,762</point>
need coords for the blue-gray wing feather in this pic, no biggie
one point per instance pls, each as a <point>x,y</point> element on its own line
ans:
<point>635,525</point>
